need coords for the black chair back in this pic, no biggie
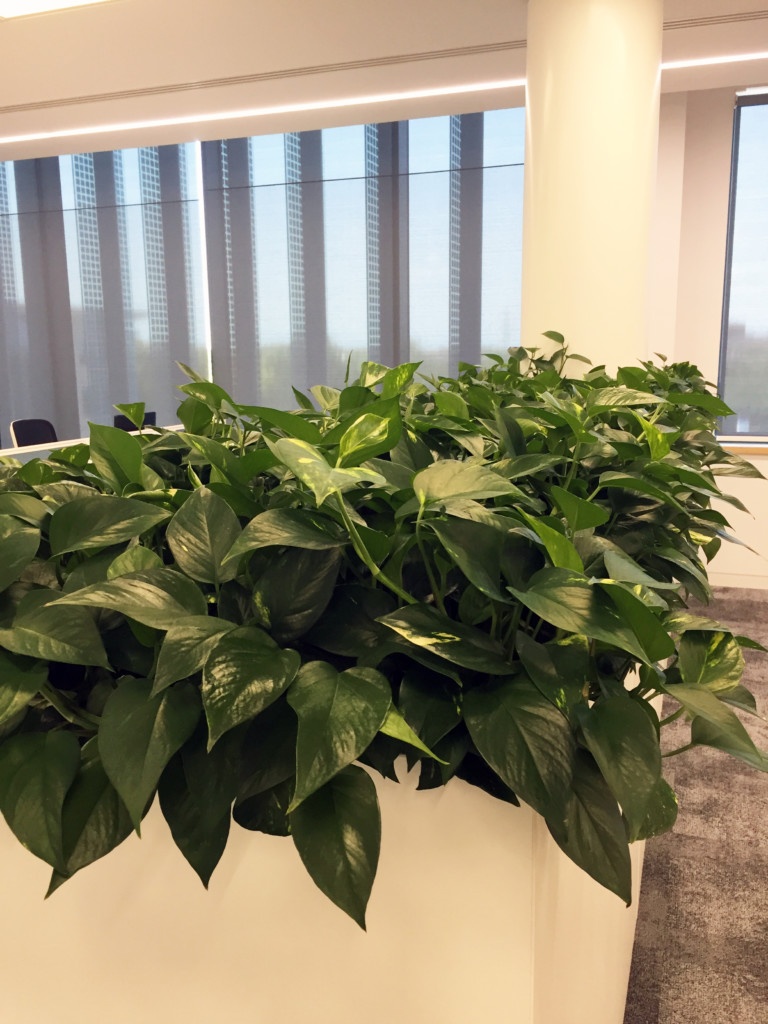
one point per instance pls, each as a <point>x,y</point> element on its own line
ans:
<point>123,423</point>
<point>25,432</point>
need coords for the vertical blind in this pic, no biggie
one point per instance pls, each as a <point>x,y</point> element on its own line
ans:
<point>271,260</point>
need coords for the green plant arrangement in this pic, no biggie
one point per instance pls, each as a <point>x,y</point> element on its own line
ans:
<point>487,574</point>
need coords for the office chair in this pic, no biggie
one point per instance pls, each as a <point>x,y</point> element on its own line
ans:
<point>25,432</point>
<point>125,424</point>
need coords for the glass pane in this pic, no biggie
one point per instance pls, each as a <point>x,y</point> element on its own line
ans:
<point>746,354</point>
<point>429,262</point>
<point>429,144</point>
<point>344,152</point>
<point>346,278</point>
<point>502,257</point>
<point>503,136</point>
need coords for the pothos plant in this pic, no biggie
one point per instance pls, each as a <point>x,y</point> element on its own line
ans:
<point>487,574</point>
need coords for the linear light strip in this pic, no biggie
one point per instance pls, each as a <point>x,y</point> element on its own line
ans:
<point>287,108</point>
<point>703,62</point>
<point>354,101</point>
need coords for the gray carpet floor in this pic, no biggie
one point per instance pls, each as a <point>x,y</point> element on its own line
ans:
<point>701,946</point>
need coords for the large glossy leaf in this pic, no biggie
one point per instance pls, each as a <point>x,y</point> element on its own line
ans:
<point>525,739</point>
<point>289,423</point>
<point>294,590</point>
<point>196,792</point>
<point>713,660</point>
<point>186,648</point>
<point>55,632</point>
<point>99,520</point>
<point>449,478</point>
<point>602,399</point>
<point>700,400</point>
<point>569,602</point>
<point>245,672</point>
<point>200,535</point>
<point>134,559</point>
<point>395,726</point>
<point>633,482</point>
<point>581,514</point>
<point>94,821</point>
<point>154,597</point>
<point>373,433</point>
<point>561,551</point>
<point>266,811</point>
<point>620,566</point>
<point>661,813</point>
<point>36,770</point>
<point>556,671</point>
<point>592,832</point>
<point>646,626</point>
<point>476,548</point>
<point>24,506</point>
<point>18,546</point>
<point>715,725</point>
<point>423,626</point>
<point>20,680</point>
<point>337,832</point>
<point>429,704</point>
<point>310,466</point>
<point>621,738</point>
<point>339,713</point>
<point>287,527</point>
<point>139,734</point>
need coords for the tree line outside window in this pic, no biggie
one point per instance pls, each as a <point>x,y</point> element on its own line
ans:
<point>269,261</point>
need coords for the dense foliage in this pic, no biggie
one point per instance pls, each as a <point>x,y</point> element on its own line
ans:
<point>488,574</point>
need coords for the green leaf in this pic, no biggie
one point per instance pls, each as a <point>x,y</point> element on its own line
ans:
<point>194,415</point>
<point>451,404</point>
<point>621,738</point>
<point>661,813</point>
<point>287,527</point>
<point>196,792</point>
<point>423,626</point>
<point>139,734</point>
<point>560,550</point>
<point>154,597</point>
<point>337,832</point>
<point>476,548</point>
<point>56,633</point>
<point>581,514</point>
<point>289,422</point>
<point>712,660</point>
<point>309,466</point>
<point>620,566</point>
<point>134,559</point>
<point>18,546</point>
<point>339,714</point>
<point>395,725</point>
<point>701,400</point>
<point>632,482</point>
<point>100,520</point>
<point>36,770</point>
<point>655,640</point>
<point>592,832</point>
<point>200,535</point>
<point>603,399</point>
<point>397,379</point>
<point>266,811</point>
<point>245,672</point>
<point>525,739</point>
<point>134,411</point>
<point>375,432</point>
<point>23,506</point>
<point>94,821</point>
<point>571,603</point>
<point>659,443</point>
<point>20,680</point>
<point>563,689</point>
<point>294,589</point>
<point>451,479</point>
<point>715,725</point>
<point>186,648</point>
<point>117,458</point>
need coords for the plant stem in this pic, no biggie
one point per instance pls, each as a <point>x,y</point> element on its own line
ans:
<point>427,565</point>
<point>364,555</point>
<point>74,715</point>
<point>672,717</point>
<point>680,750</point>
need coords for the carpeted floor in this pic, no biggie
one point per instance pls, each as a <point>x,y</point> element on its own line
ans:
<point>701,947</point>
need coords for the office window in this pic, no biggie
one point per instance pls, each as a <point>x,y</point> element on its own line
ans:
<point>744,353</point>
<point>271,259</point>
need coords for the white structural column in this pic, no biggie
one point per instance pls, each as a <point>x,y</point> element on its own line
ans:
<point>592,116</point>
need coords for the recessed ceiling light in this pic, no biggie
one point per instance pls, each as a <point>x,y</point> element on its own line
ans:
<point>18,8</point>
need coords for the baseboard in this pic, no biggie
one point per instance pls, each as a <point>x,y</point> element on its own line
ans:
<point>737,579</point>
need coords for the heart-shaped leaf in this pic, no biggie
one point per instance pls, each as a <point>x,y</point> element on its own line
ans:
<point>20,680</point>
<point>200,535</point>
<point>425,627</point>
<point>18,546</point>
<point>339,714</point>
<point>99,520</point>
<point>154,597</point>
<point>337,832</point>
<point>139,734</point>
<point>186,648</point>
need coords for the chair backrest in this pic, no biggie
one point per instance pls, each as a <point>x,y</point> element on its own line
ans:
<point>125,424</point>
<point>24,432</point>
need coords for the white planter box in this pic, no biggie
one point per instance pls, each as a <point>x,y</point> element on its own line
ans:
<point>476,918</point>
